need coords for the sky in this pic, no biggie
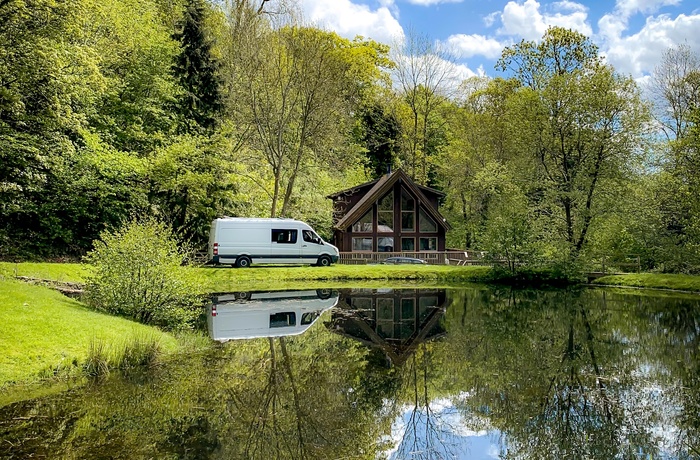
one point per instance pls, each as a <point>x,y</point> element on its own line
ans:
<point>631,34</point>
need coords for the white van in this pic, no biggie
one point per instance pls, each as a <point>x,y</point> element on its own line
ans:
<point>247,315</point>
<point>242,241</point>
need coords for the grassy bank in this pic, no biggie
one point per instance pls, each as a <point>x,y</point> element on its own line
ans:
<point>50,271</point>
<point>230,279</point>
<point>45,332</point>
<point>652,281</point>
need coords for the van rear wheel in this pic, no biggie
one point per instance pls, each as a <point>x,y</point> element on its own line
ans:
<point>243,262</point>
<point>324,261</point>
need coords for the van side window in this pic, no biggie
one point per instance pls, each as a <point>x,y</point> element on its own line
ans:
<point>284,236</point>
<point>283,319</point>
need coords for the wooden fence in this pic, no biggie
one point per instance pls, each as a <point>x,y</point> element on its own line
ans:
<point>433,257</point>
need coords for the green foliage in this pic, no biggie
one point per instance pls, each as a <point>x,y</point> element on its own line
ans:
<point>191,184</point>
<point>140,352</point>
<point>137,273</point>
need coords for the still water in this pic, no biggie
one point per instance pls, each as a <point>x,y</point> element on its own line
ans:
<point>469,373</point>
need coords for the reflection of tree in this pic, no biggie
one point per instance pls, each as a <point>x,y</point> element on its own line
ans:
<point>300,401</point>
<point>427,433</point>
<point>269,434</point>
<point>673,339</point>
<point>292,398</point>
<point>551,375</point>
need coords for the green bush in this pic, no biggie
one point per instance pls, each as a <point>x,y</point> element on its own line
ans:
<point>137,272</point>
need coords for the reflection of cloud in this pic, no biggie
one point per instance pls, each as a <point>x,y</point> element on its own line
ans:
<point>454,431</point>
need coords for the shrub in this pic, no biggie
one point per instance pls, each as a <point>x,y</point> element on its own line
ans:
<point>137,272</point>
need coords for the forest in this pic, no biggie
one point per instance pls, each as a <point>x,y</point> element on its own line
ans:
<point>188,110</point>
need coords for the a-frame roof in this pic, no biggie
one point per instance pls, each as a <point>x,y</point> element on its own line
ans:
<point>380,188</point>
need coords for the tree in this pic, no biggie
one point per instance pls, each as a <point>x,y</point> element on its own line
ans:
<point>197,71</point>
<point>379,133</point>
<point>293,90</point>
<point>424,75</point>
<point>586,121</point>
<point>675,90</point>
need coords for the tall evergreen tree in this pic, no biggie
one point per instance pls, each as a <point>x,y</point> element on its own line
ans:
<point>380,133</point>
<point>197,71</point>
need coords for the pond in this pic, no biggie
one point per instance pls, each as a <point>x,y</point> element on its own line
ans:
<point>463,373</point>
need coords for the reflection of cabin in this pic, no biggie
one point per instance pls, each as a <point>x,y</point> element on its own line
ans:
<point>391,214</point>
<point>394,320</point>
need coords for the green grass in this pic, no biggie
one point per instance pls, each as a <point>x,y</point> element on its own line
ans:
<point>653,281</point>
<point>222,279</point>
<point>49,271</point>
<point>45,332</point>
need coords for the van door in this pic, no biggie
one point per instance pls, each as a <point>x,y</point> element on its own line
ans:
<point>285,245</point>
<point>310,246</point>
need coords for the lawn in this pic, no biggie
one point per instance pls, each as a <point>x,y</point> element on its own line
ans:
<point>49,271</point>
<point>653,281</point>
<point>43,330</point>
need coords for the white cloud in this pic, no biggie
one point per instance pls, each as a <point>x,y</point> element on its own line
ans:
<point>432,2</point>
<point>349,19</point>
<point>630,7</point>
<point>567,5</point>
<point>466,46</point>
<point>638,54</point>
<point>490,19</point>
<point>525,19</point>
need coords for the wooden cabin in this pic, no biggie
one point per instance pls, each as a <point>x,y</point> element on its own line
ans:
<point>392,214</point>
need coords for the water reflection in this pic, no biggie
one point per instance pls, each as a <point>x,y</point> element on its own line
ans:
<point>248,315</point>
<point>404,374</point>
<point>396,321</point>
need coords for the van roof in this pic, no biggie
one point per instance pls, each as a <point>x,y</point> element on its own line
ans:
<point>258,219</point>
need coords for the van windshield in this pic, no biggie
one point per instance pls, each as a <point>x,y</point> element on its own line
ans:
<point>311,237</point>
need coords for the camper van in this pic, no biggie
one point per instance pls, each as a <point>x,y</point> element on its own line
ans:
<point>247,315</point>
<point>243,241</point>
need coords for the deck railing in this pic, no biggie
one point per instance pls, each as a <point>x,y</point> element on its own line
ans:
<point>431,257</point>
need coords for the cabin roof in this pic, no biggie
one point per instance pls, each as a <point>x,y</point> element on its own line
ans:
<point>382,186</point>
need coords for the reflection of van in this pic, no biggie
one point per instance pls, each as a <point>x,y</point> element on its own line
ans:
<point>247,315</point>
<point>242,241</point>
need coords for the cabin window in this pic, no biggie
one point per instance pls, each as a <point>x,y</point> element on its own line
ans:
<point>428,244</point>
<point>361,303</point>
<point>425,223</point>
<point>284,236</point>
<point>385,317</point>
<point>385,244</point>
<point>408,207</point>
<point>362,244</point>
<point>385,213</point>
<point>408,244</point>
<point>364,225</point>
<point>426,305</point>
<point>283,319</point>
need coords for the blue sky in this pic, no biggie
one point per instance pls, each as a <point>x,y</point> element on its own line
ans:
<point>631,34</point>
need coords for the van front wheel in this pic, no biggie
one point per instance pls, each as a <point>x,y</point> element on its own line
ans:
<point>243,262</point>
<point>324,261</point>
